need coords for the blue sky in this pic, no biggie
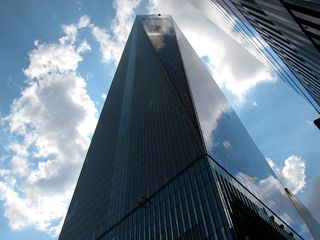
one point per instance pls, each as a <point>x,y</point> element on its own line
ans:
<point>56,64</point>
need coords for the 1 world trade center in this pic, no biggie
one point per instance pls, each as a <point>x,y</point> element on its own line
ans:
<point>170,159</point>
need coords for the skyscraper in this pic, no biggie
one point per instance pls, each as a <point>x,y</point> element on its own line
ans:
<point>170,159</point>
<point>291,28</point>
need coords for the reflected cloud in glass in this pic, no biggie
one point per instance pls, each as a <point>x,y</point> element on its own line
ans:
<point>228,142</point>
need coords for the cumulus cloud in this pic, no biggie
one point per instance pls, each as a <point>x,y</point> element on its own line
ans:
<point>55,58</point>
<point>71,31</point>
<point>292,175</point>
<point>112,44</point>
<point>110,49</point>
<point>230,64</point>
<point>122,23</point>
<point>52,120</point>
<point>19,165</point>
<point>294,171</point>
<point>33,210</point>
<point>17,148</point>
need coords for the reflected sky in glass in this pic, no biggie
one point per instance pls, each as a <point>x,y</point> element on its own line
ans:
<point>228,142</point>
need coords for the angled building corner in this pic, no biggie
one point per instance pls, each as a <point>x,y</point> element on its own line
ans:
<point>305,214</point>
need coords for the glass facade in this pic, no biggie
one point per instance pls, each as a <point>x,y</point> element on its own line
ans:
<point>312,223</point>
<point>291,28</point>
<point>227,141</point>
<point>170,159</point>
<point>193,205</point>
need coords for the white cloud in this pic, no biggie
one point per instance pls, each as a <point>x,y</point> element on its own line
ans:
<point>54,118</point>
<point>19,165</point>
<point>153,6</point>
<point>294,172</point>
<point>231,65</point>
<point>104,96</point>
<point>71,31</point>
<point>84,46</point>
<point>32,210</point>
<point>111,47</point>
<point>227,144</point>
<point>122,23</point>
<point>18,149</point>
<point>292,175</point>
<point>47,58</point>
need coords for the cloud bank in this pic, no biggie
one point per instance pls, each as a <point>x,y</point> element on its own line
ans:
<point>51,124</point>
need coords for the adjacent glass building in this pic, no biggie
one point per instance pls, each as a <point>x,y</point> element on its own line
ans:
<point>272,30</point>
<point>170,159</point>
<point>309,220</point>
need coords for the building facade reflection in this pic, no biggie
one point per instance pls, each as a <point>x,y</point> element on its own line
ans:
<point>283,34</point>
